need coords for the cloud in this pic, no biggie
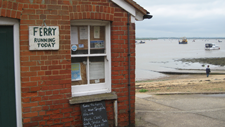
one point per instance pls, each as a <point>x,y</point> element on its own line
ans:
<point>190,17</point>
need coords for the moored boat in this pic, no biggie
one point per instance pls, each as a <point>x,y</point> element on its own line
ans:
<point>211,46</point>
<point>141,42</point>
<point>183,40</point>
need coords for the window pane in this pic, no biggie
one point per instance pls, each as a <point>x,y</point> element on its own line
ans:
<point>79,40</point>
<point>78,70</point>
<point>97,39</point>
<point>97,70</point>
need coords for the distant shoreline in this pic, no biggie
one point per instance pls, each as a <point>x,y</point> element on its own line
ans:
<point>214,61</point>
<point>156,38</point>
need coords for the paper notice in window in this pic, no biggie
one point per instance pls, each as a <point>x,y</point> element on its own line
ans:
<point>96,32</point>
<point>83,33</point>
<point>75,72</point>
<point>74,35</point>
<point>97,70</point>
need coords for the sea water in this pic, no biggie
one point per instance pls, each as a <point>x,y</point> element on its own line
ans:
<point>163,55</point>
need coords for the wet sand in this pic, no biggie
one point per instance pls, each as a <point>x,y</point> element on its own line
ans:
<point>187,83</point>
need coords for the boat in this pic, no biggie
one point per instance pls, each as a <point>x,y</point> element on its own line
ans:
<point>183,40</point>
<point>141,42</point>
<point>211,46</point>
<point>219,41</point>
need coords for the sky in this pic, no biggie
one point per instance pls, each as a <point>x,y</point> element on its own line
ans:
<point>178,18</point>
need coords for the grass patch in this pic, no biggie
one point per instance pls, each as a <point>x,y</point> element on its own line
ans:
<point>155,90</point>
<point>143,81</point>
<point>219,89</point>
<point>168,88</point>
<point>143,90</point>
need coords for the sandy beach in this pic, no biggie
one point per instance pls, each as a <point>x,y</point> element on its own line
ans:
<point>184,84</point>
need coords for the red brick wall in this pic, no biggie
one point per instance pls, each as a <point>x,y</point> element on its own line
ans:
<point>46,75</point>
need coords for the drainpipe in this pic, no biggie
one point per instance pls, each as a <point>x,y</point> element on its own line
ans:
<point>128,40</point>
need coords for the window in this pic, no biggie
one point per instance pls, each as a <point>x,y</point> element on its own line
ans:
<point>90,57</point>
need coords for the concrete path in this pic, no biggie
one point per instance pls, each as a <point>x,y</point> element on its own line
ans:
<point>194,110</point>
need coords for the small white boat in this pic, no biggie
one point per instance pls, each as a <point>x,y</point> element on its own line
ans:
<point>211,46</point>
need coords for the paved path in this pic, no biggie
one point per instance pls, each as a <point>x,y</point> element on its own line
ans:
<point>196,110</point>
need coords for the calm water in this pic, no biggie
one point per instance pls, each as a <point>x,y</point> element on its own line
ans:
<point>161,55</point>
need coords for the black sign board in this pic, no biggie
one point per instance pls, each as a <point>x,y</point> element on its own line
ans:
<point>94,114</point>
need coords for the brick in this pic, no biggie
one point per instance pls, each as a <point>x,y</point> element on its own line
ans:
<point>57,121</point>
<point>41,103</point>
<point>28,84</point>
<point>27,120</point>
<point>46,117</point>
<point>30,124</point>
<point>29,94</point>
<point>45,108</point>
<point>54,7</point>
<point>25,69</point>
<point>34,6</point>
<point>18,14</point>
<point>25,89</point>
<point>55,67</point>
<point>56,106</point>
<point>50,122</point>
<point>41,113</point>
<point>56,116</point>
<point>29,104</point>
<point>3,12</point>
<point>36,68</point>
<point>30,114</point>
<point>41,123</point>
<point>27,53</point>
<point>29,22</point>
<point>35,78</point>
<point>56,97</point>
<point>38,118</point>
<point>25,99</point>
<point>66,110</point>
<point>67,119</point>
<point>54,17</point>
<point>36,99</point>
<point>8,13</point>
<point>28,11</point>
<point>26,110</point>
<point>43,6</point>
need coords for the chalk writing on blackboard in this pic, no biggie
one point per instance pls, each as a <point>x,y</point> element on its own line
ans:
<point>94,114</point>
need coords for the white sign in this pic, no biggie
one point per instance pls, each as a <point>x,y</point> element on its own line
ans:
<point>97,70</point>
<point>74,35</point>
<point>97,32</point>
<point>43,38</point>
<point>83,33</point>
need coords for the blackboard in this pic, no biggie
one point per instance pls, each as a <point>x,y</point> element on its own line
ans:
<point>94,114</point>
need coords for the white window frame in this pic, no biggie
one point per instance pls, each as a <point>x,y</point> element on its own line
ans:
<point>90,89</point>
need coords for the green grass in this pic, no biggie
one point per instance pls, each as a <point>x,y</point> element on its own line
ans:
<point>143,90</point>
<point>155,90</point>
<point>219,89</point>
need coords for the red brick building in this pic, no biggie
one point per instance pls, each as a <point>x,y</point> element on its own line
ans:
<point>59,54</point>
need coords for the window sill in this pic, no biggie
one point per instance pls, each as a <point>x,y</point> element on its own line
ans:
<point>93,98</point>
